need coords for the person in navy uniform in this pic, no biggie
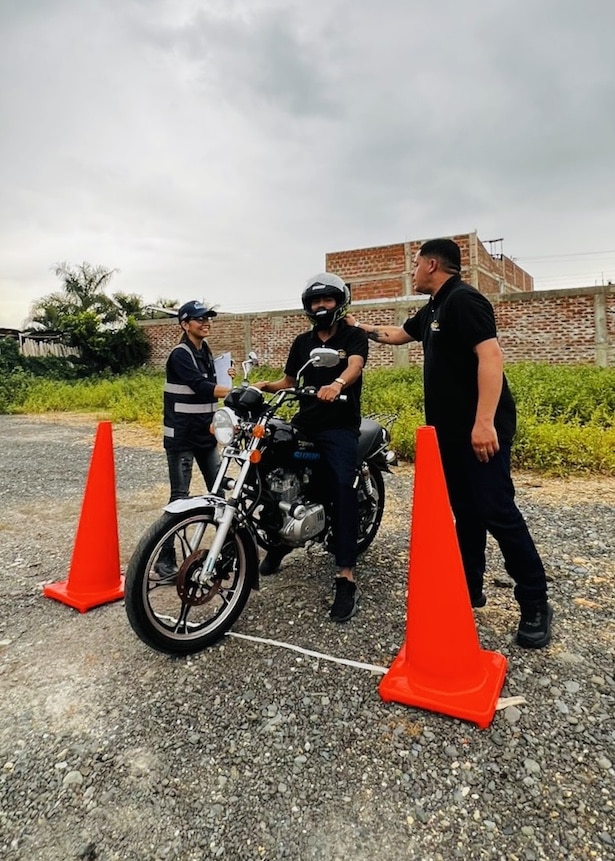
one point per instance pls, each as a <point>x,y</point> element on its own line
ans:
<point>191,394</point>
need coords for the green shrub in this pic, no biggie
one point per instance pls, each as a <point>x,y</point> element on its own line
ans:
<point>566,415</point>
<point>13,378</point>
<point>561,449</point>
<point>135,397</point>
<point>577,395</point>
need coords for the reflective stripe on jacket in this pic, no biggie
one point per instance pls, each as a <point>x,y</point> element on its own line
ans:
<point>189,402</point>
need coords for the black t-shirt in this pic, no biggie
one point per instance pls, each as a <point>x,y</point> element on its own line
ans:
<point>315,415</point>
<point>452,323</point>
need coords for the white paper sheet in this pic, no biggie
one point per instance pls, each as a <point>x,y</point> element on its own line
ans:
<point>222,364</point>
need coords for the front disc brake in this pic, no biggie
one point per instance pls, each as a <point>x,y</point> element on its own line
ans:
<point>189,590</point>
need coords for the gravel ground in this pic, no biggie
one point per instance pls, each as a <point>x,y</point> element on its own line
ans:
<point>109,750</point>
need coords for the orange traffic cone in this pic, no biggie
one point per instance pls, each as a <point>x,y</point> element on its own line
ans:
<point>441,666</point>
<point>94,577</point>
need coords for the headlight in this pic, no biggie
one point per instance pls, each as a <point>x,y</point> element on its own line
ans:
<point>224,424</point>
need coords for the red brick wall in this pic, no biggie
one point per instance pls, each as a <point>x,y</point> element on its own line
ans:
<point>383,288</point>
<point>551,328</point>
<point>353,265</point>
<point>228,332</point>
<point>557,326</point>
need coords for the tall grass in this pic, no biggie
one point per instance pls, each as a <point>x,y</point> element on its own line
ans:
<point>566,414</point>
<point>131,398</point>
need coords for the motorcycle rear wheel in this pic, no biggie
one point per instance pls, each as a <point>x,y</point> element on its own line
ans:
<point>173,612</point>
<point>371,506</point>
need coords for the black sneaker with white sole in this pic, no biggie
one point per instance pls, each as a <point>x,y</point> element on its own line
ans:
<point>346,600</point>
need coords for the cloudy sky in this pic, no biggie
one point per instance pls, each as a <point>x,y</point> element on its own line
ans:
<point>217,149</point>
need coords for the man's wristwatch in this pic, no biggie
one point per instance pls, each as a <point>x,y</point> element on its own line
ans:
<point>340,380</point>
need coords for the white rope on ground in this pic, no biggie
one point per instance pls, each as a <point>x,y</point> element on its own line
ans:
<point>358,664</point>
<point>502,703</point>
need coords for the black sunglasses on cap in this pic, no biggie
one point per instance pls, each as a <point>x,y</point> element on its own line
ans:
<point>202,320</point>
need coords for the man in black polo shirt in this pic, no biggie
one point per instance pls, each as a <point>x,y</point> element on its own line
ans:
<point>333,424</point>
<point>468,401</point>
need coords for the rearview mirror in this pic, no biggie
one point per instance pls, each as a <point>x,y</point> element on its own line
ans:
<point>324,357</point>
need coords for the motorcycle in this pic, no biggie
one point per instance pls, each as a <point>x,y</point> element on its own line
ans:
<point>210,543</point>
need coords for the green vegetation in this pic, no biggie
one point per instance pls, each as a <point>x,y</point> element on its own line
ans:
<point>101,327</point>
<point>566,414</point>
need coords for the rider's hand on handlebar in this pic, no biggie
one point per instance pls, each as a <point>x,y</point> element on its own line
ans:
<point>329,393</point>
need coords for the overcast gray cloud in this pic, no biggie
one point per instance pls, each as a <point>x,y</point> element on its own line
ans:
<point>220,149</point>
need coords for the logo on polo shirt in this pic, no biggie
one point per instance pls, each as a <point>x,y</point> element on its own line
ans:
<point>434,326</point>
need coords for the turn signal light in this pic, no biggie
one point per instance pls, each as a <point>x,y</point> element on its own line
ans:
<point>255,456</point>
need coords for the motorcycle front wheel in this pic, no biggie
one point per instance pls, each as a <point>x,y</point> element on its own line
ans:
<point>170,605</point>
<point>371,506</point>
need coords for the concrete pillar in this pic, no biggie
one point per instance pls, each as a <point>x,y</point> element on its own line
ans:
<point>601,334</point>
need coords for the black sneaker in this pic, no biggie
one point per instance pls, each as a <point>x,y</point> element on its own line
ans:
<point>164,572</point>
<point>535,626</point>
<point>346,600</point>
<point>271,561</point>
<point>478,600</point>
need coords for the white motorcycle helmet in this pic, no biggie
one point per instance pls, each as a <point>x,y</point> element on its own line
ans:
<point>327,285</point>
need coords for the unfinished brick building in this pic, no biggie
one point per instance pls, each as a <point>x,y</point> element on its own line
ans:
<point>571,326</point>
<point>385,271</point>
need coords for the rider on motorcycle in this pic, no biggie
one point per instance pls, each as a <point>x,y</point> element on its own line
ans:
<point>332,423</point>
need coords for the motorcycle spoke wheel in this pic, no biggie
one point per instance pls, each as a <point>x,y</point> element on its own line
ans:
<point>183,609</point>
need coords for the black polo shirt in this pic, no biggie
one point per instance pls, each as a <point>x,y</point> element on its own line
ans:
<point>452,323</point>
<point>315,415</point>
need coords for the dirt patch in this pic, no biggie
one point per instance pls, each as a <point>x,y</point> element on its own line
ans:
<point>124,433</point>
<point>546,489</point>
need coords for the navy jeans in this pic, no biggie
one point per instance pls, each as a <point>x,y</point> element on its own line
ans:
<point>482,497</point>
<point>180,469</point>
<point>180,475</point>
<point>338,449</point>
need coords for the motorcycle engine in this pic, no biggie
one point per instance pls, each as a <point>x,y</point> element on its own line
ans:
<point>301,519</point>
<point>284,486</point>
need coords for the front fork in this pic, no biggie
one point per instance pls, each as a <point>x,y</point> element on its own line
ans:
<point>225,510</point>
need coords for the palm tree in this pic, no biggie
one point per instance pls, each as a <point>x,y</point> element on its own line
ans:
<point>84,286</point>
<point>82,290</point>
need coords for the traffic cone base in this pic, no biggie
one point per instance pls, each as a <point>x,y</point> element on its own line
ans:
<point>83,601</point>
<point>94,577</point>
<point>441,666</point>
<point>475,704</point>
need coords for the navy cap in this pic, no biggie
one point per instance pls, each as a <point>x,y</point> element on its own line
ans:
<point>194,309</point>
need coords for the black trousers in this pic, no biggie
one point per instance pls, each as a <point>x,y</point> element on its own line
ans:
<point>338,449</point>
<point>180,469</point>
<point>180,475</point>
<point>482,497</point>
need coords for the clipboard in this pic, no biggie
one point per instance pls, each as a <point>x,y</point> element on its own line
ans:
<point>222,363</point>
